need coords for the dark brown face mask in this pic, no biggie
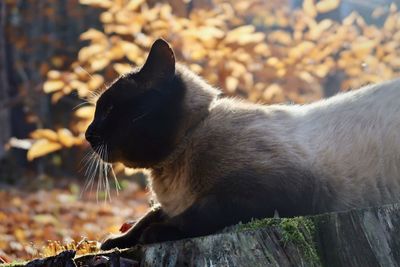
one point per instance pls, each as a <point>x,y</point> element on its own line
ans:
<point>137,117</point>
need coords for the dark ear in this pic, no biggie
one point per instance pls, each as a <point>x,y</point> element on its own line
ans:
<point>160,63</point>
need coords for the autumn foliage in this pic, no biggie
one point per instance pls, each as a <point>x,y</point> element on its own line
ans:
<point>259,50</point>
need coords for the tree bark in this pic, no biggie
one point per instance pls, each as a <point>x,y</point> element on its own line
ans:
<point>5,130</point>
<point>366,237</point>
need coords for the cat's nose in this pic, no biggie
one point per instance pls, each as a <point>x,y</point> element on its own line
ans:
<point>89,134</point>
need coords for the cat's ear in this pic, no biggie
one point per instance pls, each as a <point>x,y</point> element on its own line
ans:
<point>160,63</point>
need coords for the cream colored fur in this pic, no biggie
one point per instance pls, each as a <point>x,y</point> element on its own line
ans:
<point>350,143</point>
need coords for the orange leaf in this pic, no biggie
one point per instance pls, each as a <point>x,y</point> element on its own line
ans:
<point>122,68</point>
<point>98,3</point>
<point>57,96</point>
<point>52,86</point>
<point>44,134</point>
<point>131,50</point>
<point>309,8</point>
<point>85,112</point>
<point>66,138</point>
<point>231,84</point>
<point>99,63</point>
<point>281,37</point>
<point>42,147</point>
<point>134,4</point>
<point>92,34</point>
<point>88,52</point>
<point>95,81</point>
<point>54,74</point>
<point>325,6</point>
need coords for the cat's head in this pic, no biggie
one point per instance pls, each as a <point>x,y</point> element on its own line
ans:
<point>144,114</point>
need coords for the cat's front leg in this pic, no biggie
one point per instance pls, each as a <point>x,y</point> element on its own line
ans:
<point>160,232</point>
<point>131,237</point>
<point>205,217</point>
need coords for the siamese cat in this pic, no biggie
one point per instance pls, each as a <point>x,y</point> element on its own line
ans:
<point>217,161</point>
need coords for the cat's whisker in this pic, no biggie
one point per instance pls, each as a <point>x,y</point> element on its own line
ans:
<point>101,175</point>
<point>82,68</point>
<point>93,95</point>
<point>88,153</point>
<point>139,117</point>
<point>93,174</point>
<point>89,162</point>
<point>117,185</point>
<point>89,168</point>
<point>85,160</point>
<point>93,170</point>
<point>105,170</point>
<point>105,181</point>
<point>99,162</point>
<point>111,170</point>
<point>81,104</point>
<point>108,192</point>
<point>102,178</point>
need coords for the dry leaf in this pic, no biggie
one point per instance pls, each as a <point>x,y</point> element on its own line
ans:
<point>280,37</point>
<point>44,134</point>
<point>122,68</point>
<point>98,3</point>
<point>107,17</point>
<point>65,137</point>
<point>325,6</point>
<point>54,75</point>
<point>95,82</point>
<point>231,84</point>
<point>301,49</point>
<point>88,52</point>
<point>52,86</point>
<point>86,112</point>
<point>134,4</point>
<point>309,8</point>
<point>42,147</point>
<point>235,34</point>
<point>92,34</point>
<point>55,97</point>
<point>317,30</point>
<point>132,51</point>
<point>274,93</point>
<point>99,63</point>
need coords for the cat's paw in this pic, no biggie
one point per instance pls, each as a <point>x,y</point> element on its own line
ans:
<point>159,233</point>
<point>118,242</point>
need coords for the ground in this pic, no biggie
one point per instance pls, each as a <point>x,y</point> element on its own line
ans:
<point>37,223</point>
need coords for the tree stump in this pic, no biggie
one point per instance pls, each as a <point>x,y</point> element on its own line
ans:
<point>364,237</point>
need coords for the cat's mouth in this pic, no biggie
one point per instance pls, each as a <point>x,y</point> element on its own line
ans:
<point>100,148</point>
<point>101,151</point>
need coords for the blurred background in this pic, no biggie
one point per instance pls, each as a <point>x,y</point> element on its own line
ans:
<point>54,54</point>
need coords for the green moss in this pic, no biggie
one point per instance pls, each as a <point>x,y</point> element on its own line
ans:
<point>298,231</point>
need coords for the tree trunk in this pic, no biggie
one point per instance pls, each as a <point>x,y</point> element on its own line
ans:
<point>5,130</point>
<point>367,237</point>
<point>35,36</point>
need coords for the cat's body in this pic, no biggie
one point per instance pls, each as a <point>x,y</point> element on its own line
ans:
<point>226,161</point>
<point>343,152</point>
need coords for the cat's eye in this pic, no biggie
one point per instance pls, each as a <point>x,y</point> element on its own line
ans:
<point>108,110</point>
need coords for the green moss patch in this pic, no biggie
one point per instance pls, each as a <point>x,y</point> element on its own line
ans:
<point>299,231</point>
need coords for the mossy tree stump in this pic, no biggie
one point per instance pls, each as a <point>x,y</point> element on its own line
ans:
<point>365,237</point>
